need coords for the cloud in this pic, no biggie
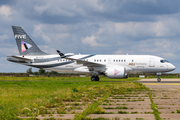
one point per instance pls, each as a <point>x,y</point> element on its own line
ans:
<point>90,40</point>
<point>3,37</point>
<point>5,12</point>
<point>8,51</point>
<point>46,31</point>
<point>48,9</point>
<point>161,28</point>
<point>159,47</point>
<point>119,52</point>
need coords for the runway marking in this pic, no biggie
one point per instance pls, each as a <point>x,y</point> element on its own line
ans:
<point>161,83</point>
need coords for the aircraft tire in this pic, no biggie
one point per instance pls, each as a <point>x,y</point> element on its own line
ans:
<point>93,78</point>
<point>159,79</point>
<point>96,78</point>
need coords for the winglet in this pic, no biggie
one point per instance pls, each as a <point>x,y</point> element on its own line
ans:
<point>61,54</point>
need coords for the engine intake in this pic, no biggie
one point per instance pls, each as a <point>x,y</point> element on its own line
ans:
<point>116,72</point>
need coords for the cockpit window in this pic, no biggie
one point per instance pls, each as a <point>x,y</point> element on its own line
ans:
<point>166,61</point>
<point>163,61</point>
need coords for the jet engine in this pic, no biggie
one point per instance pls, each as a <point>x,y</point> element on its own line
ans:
<point>116,72</point>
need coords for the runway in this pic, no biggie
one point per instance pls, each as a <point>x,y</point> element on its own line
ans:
<point>166,96</point>
<point>165,83</point>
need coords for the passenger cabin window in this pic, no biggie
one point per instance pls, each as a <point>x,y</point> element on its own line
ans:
<point>104,60</point>
<point>114,60</point>
<point>94,60</point>
<point>124,60</point>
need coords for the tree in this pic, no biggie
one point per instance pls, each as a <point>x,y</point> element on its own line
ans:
<point>42,71</point>
<point>54,73</point>
<point>29,71</point>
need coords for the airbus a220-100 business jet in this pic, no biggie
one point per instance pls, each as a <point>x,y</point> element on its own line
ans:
<point>114,66</point>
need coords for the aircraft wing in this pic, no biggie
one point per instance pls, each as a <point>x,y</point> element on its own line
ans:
<point>21,58</point>
<point>80,61</point>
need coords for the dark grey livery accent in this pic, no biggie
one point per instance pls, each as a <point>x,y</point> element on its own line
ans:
<point>20,35</point>
<point>11,59</point>
<point>51,65</point>
<point>86,57</point>
<point>46,60</point>
<point>63,56</point>
<point>58,64</point>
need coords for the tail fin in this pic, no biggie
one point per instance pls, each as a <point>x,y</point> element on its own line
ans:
<point>25,45</point>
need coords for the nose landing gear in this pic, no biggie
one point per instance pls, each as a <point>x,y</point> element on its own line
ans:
<point>158,79</point>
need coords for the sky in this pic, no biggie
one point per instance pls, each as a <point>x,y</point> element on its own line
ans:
<point>134,27</point>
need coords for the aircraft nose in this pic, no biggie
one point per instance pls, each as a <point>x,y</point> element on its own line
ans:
<point>171,67</point>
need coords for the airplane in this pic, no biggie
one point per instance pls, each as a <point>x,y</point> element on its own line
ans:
<point>113,66</point>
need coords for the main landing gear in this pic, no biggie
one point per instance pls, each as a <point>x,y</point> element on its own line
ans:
<point>94,78</point>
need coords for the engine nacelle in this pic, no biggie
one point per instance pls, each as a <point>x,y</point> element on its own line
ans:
<point>116,72</point>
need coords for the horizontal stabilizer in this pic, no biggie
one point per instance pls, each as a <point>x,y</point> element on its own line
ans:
<point>20,58</point>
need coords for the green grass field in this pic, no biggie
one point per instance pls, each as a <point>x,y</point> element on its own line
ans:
<point>32,96</point>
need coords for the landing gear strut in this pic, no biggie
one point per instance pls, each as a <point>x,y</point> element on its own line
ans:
<point>158,79</point>
<point>94,78</point>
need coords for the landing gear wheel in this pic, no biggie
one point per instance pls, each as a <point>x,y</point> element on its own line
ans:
<point>96,78</point>
<point>159,79</point>
<point>93,78</point>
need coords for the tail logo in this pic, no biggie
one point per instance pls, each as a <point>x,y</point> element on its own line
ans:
<point>24,46</point>
<point>20,36</point>
<point>116,72</point>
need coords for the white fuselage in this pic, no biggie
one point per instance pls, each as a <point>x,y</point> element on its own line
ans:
<point>132,63</point>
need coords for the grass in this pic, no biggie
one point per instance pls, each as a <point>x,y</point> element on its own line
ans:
<point>123,112</point>
<point>134,112</point>
<point>165,98</point>
<point>119,97</point>
<point>148,112</point>
<point>32,96</point>
<point>91,109</point>
<point>124,107</point>
<point>178,111</point>
<point>134,100</point>
<point>154,107</point>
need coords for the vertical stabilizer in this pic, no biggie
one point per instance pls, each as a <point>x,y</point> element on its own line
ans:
<point>25,45</point>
